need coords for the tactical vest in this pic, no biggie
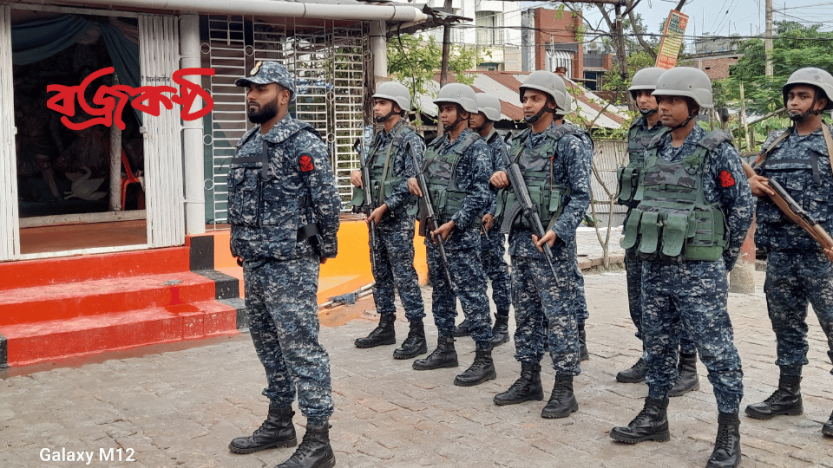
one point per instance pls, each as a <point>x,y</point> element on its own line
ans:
<point>381,175</point>
<point>673,222</point>
<point>441,177</point>
<point>630,192</point>
<point>536,167</point>
<point>259,200</point>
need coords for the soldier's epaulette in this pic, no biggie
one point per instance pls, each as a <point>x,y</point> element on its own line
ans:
<point>714,139</point>
<point>247,135</point>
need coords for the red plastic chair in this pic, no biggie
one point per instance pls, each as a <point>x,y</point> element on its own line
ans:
<point>130,179</point>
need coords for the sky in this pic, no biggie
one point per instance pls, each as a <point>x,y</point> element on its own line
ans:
<point>729,17</point>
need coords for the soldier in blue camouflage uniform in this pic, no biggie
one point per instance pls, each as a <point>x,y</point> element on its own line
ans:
<point>284,213</point>
<point>556,166</point>
<point>643,130</point>
<point>582,313</point>
<point>693,189</point>
<point>798,269</point>
<point>492,242</point>
<point>391,164</point>
<point>456,172</point>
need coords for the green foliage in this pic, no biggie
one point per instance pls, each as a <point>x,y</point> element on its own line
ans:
<point>414,60</point>
<point>791,50</point>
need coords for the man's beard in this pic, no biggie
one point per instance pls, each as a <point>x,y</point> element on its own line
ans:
<point>266,113</point>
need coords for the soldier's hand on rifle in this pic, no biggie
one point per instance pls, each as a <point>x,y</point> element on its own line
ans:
<point>444,230</point>
<point>499,179</point>
<point>413,187</point>
<point>488,221</point>
<point>829,253</point>
<point>356,178</point>
<point>377,214</point>
<point>760,188</point>
<point>547,239</point>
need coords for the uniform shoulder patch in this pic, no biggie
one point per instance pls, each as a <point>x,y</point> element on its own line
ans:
<point>306,163</point>
<point>726,179</point>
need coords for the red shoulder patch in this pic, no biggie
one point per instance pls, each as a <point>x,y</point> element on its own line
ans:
<point>726,179</point>
<point>306,163</point>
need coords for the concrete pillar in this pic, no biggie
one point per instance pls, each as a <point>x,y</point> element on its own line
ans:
<point>378,47</point>
<point>189,43</point>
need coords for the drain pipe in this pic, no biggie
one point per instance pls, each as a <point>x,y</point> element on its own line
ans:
<point>192,130</point>
<point>399,13</point>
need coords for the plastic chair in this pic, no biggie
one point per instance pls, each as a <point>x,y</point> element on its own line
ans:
<point>130,179</point>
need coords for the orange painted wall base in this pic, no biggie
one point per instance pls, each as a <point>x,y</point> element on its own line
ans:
<point>346,273</point>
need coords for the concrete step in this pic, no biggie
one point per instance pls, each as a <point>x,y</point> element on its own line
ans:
<point>29,343</point>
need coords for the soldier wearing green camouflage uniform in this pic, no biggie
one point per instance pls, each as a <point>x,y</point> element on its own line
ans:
<point>284,213</point>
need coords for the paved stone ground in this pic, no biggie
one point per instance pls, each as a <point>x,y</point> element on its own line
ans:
<point>171,408</point>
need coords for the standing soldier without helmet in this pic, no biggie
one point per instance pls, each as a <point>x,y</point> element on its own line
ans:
<point>798,271</point>
<point>284,209</point>
<point>555,164</point>
<point>643,130</point>
<point>456,172</point>
<point>391,164</point>
<point>693,190</point>
<point>492,242</point>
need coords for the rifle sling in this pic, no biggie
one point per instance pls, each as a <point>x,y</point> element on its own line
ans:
<point>828,140</point>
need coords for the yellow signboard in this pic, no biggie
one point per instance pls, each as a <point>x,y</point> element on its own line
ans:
<point>672,40</point>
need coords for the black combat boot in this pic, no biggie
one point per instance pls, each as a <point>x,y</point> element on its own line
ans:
<point>582,341</point>
<point>314,452</point>
<point>464,329</point>
<point>444,356</point>
<point>562,402</point>
<point>634,374</point>
<point>687,379</point>
<point>500,332</point>
<point>785,400</point>
<point>827,429</point>
<point>650,424</point>
<point>527,387</point>
<point>276,432</point>
<point>414,344</point>
<point>384,334</point>
<point>481,370</point>
<point>726,452</point>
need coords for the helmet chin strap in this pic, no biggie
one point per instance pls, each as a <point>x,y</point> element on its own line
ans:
<point>448,128</point>
<point>801,117</point>
<point>647,113</point>
<point>534,118</point>
<point>685,122</point>
<point>385,117</point>
<point>480,128</point>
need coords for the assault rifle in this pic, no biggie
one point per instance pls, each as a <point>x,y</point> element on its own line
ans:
<point>431,222</point>
<point>525,207</point>
<point>796,213</point>
<point>368,206</point>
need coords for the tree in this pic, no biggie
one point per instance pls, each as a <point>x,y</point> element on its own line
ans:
<point>413,60</point>
<point>795,46</point>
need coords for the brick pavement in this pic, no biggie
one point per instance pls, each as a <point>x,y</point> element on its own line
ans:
<point>181,408</point>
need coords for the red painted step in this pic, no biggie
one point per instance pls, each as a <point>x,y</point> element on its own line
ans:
<point>102,296</point>
<point>31,273</point>
<point>35,342</point>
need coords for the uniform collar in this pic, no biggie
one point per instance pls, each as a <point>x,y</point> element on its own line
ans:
<point>283,129</point>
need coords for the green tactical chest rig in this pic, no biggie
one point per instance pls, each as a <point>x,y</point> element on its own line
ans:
<point>382,180</point>
<point>537,169</point>
<point>441,176</point>
<point>630,192</point>
<point>673,222</point>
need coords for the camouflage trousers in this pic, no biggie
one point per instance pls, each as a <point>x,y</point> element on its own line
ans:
<point>492,252</point>
<point>690,296</point>
<point>469,285</point>
<point>538,299</point>
<point>392,260</point>
<point>792,281</point>
<point>633,272</point>
<point>282,311</point>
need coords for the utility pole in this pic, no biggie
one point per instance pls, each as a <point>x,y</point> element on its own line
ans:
<point>768,41</point>
<point>619,36</point>
<point>447,45</point>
